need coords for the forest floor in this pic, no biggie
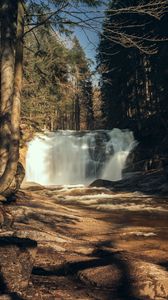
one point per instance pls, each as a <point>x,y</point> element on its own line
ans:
<point>84,243</point>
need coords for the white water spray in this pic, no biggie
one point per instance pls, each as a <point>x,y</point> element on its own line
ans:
<point>69,157</point>
<point>123,143</point>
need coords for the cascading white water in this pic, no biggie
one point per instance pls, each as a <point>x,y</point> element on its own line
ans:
<point>69,157</point>
<point>122,142</point>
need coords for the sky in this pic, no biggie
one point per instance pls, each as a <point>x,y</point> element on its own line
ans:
<point>89,37</point>
<point>88,31</point>
<point>88,42</point>
<point>90,50</point>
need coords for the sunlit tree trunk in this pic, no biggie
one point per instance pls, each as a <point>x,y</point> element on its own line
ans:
<point>77,113</point>
<point>14,136</point>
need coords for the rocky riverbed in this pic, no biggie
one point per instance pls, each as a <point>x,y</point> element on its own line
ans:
<point>104,243</point>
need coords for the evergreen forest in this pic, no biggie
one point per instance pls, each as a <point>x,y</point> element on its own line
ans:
<point>134,78</point>
<point>47,79</point>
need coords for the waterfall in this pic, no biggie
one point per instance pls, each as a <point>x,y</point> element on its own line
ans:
<point>123,143</point>
<point>70,157</point>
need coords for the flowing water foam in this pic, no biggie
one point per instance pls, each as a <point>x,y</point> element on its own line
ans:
<point>69,157</point>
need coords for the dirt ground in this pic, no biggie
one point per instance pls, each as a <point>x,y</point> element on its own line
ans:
<point>84,243</point>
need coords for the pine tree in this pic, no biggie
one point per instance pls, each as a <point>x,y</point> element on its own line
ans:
<point>83,88</point>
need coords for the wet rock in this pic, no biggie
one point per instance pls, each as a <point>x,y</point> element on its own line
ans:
<point>102,183</point>
<point>146,182</point>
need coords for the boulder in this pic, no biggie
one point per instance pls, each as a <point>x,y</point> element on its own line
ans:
<point>102,183</point>
<point>16,262</point>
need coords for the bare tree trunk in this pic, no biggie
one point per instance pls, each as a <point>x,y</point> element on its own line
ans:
<point>7,79</point>
<point>77,113</point>
<point>12,163</point>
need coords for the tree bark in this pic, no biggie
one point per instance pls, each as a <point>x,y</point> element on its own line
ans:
<point>12,163</point>
<point>7,79</point>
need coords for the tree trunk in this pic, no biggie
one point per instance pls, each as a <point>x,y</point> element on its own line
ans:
<point>11,167</point>
<point>7,79</point>
<point>77,113</point>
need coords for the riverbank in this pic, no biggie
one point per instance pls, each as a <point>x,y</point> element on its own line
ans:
<point>84,243</point>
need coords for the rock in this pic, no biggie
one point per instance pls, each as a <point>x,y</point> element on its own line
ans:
<point>165,166</point>
<point>102,183</point>
<point>164,188</point>
<point>137,280</point>
<point>102,277</point>
<point>6,219</point>
<point>1,217</point>
<point>2,198</point>
<point>84,252</point>
<point>150,182</point>
<point>32,186</point>
<point>16,262</point>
